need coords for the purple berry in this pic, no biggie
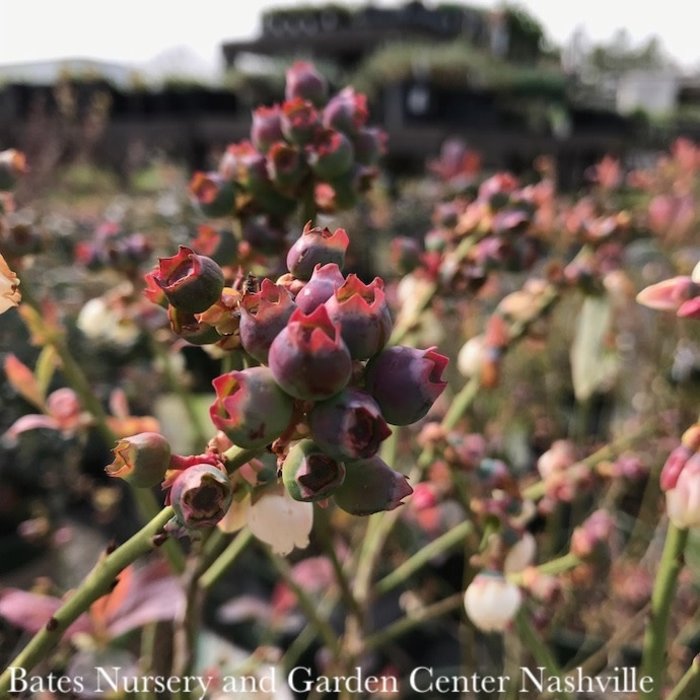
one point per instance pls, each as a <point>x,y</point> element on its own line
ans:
<point>348,426</point>
<point>405,382</point>
<point>363,315</point>
<point>370,486</point>
<point>304,81</point>
<point>266,127</point>
<point>324,281</point>
<point>316,246</point>
<point>263,315</point>
<point>250,408</point>
<point>309,359</point>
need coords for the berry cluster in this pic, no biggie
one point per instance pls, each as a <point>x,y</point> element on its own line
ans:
<point>308,149</point>
<point>326,388</point>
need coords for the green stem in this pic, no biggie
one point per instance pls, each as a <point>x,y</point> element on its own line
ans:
<point>236,457</point>
<point>550,568</point>
<point>226,559</point>
<point>461,403</point>
<point>654,654</point>
<point>75,377</point>
<point>323,529</point>
<point>307,604</point>
<point>408,623</point>
<point>97,584</point>
<point>688,687</point>
<point>442,544</point>
<point>534,642</point>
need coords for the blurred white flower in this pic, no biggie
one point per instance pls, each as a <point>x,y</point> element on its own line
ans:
<point>101,322</point>
<point>280,521</point>
<point>471,357</point>
<point>491,601</point>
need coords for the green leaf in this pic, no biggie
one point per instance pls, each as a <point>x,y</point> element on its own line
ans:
<point>593,365</point>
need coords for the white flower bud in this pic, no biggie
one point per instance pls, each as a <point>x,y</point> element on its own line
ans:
<point>491,601</point>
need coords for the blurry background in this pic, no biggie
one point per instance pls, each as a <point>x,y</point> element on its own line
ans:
<point>575,81</point>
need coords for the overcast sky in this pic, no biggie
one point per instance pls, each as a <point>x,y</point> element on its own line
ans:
<point>135,31</point>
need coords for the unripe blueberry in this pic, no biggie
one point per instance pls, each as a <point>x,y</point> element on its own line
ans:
<point>263,236</point>
<point>141,459</point>
<point>348,426</point>
<point>285,166</point>
<point>316,246</point>
<point>192,329</point>
<point>215,195</point>
<point>300,121</point>
<point>263,315</point>
<point>683,499</point>
<point>370,486</point>
<point>309,474</point>
<point>266,127</point>
<point>325,279</point>
<point>370,145</point>
<point>331,154</point>
<point>363,315</point>
<point>309,359</point>
<point>304,81</point>
<point>249,407</point>
<point>405,382</point>
<point>346,111</point>
<point>191,282</point>
<point>201,495</point>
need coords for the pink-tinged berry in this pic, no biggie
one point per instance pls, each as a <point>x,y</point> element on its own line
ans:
<point>141,459</point>
<point>371,486</point>
<point>214,195</point>
<point>263,315</point>
<point>309,474</point>
<point>363,315</point>
<point>285,166</point>
<point>305,82</point>
<point>348,426</point>
<point>300,121</point>
<point>309,359</point>
<point>673,466</point>
<point>370,145</point>
<point>250,408</point>
<point>683,500</point>
<point>405,382</point>
<point>200,496</point>
<point>325,279</point>
<point>346,111</point>
<point>266,127</point>
<point>316,246</point>
<point>191,282</point>
<point>331,154</point>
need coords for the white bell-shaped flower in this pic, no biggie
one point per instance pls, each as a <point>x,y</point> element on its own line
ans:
<point>491,601</point>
